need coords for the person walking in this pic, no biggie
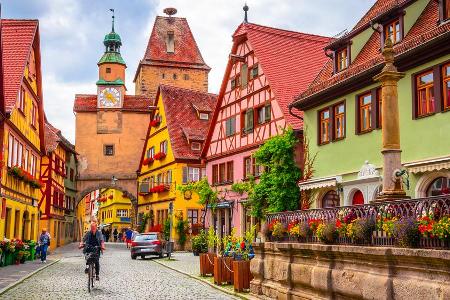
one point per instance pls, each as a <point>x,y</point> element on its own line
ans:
<point>115,233</point>
<point>119,236</point>
<point>107,234</point>
<point>44,243</point>
<point>128,236</point>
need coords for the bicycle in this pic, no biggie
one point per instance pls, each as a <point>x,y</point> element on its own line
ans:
<point>90,257</point>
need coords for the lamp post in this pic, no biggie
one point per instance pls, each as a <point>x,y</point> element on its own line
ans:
<point>390,127</point>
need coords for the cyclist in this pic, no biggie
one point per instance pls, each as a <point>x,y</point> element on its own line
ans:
<point>93,238</point>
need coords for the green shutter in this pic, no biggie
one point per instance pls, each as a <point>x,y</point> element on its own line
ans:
<point>249,120</point>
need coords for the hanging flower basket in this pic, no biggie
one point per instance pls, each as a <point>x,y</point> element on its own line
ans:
<point>159,156</point>
<point>155,123</point>
<point>148,161</point>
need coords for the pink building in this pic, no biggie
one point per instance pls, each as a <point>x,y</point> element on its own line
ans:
<point>266,68</point>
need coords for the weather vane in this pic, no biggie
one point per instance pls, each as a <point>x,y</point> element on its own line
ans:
<point>112,10</point>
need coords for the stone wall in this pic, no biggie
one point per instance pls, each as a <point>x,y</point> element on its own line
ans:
<point>316,271</point>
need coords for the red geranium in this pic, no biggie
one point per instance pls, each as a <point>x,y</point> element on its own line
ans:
<point>155,123</point>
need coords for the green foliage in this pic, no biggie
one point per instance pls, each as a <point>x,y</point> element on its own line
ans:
<point>145,218</point>
<point>205,193</point>
<point>245,186</point>
<point>181,229</point>
<point>211,238</point>
<point>277,189</point>
<point>166,229</point>
<point>199,242</point>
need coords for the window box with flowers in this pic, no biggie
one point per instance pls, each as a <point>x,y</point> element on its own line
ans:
<point>22,175</point>
<point>155,123</point>
<point>159,188</point>
<point>159,156</point>
<point>148,161</point>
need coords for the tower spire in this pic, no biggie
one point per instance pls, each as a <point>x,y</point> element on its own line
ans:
<point>245,8</point>
<point>112,10</point>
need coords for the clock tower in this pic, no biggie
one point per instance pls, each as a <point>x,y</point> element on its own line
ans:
<point>111,73</point>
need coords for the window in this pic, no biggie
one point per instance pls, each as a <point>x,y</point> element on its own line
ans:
<point>72,174</point>
<point>247,166</point>
<point>365,112</point>
<point>339,121</point>
<point>330,199</point>
<point>196,146</point>
<point>392,31</point>
<point>446,84</point>
<point>20,155</point>
<point>248,121</point>
<point>324,126</point>
<point>341,59</point>
<point>425,94</point>
<point>192,215</point>
<point>379,108</point>
<point>186,76</point>
<point>26,154</point>
<point>169,177</point>
<point>222,169</point>
<point>14,154</point>
<point>204,116</point>
<point>10,150</point>
<point>194,174</point>
<point>445,8</point>
<point>215,174</point>
<point>230,126</point>
<point>150,152</point>
<point>174,76</point>
<point>33,165</point>
<point>163,75</point>
<point>21,99</point>
<point>108,150</point>
<point>230,171</point>
<point>440,186</point>
<point>122,213</point>
<point>34,112</point>
<point>264,114</point>
<point>235,82</point>
<point>254,72</point>
<point>244,75</point>
<point>163,147</point>
<point>108,70</point>
<point>170,42</point>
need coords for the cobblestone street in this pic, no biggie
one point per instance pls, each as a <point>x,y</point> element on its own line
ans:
<point>120,278</point>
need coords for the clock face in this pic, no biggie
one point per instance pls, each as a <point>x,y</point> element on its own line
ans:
<point>109,97</point>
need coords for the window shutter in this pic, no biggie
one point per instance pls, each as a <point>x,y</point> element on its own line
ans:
<point>185,174</point>
<point>244,75</point>
<point>267,112</point>
<point>249,120</point>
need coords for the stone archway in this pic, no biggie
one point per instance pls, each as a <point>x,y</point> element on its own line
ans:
<point>117,186</point>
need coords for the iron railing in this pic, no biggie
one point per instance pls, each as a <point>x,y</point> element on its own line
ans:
<point>436,207</point>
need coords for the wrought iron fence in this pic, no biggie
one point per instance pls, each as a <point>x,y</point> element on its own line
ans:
<point>435,207</point>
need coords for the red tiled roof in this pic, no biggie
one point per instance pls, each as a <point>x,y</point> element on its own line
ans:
<point>186,52</point>
<point>17,38</point>
<point>182,119</point>
<point>289,59</point>
<point>51,137</point>
<point>87,103</point>
<point>377,9</point>
<point>425,29</point>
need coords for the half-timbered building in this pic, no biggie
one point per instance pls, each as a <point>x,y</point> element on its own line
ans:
<point>21,132</point>
<point>266,68</point>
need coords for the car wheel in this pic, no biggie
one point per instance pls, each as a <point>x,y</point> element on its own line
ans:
<point>161,255</point>
<point>133,256</point>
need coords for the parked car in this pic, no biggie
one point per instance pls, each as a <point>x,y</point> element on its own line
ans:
<point>151,243</point>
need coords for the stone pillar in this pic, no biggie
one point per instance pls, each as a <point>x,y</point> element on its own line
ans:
<point>391,151</point>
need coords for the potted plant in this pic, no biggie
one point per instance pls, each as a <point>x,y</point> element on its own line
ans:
<point>293,230</point>
<point>406,232</point>
<point>441,230</point>
<point>207,259</point>
<point>199,243</point>
<point>304,232</point>
<point>360,230</point>
<point>327,233</point>
<point>223,264</point>
<point>241,268</point>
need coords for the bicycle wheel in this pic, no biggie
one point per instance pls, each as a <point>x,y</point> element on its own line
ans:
<point>92,274</point>
<point>89,277</point>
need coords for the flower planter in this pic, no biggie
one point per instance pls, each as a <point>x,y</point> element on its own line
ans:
<point>9,259</point>
<point>207,264</point>
<point>223,270</point>
<point>242,275</point>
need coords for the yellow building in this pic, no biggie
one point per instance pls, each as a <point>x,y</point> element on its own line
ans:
<point>114,209</point>
<point>171,154</point>
<point>22,130</point>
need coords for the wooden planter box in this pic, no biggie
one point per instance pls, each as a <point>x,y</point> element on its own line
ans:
<point>223,270</point>
<point>242,275</point>
<point>207,264</point>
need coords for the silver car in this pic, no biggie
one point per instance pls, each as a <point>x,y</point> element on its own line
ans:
<point>150,243</point>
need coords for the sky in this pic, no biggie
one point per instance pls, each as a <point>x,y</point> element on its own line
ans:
<point>72,33</point>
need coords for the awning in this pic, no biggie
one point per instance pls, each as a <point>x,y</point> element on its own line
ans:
<point>429,165</point>
<point>319,183</point>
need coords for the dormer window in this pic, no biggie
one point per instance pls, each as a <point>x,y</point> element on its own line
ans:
<point>342,59</point>
<point>203,116</point>
<point>393,31</point>
<point>196,146</point>
<point>170,42</point>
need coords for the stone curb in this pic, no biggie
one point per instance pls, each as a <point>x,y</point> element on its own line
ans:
<point>4,290</point>
<point>232,293</point>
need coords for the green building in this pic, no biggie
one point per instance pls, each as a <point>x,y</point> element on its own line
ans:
<point>70,184</point>
<point>342,107</point>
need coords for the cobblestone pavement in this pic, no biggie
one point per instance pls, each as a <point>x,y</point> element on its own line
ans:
<point>120,278</point>
<point>185,262</point>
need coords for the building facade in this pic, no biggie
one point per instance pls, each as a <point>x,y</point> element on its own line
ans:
<point>22,128</point>
<point>114,209</point>
<point>70,186</point>
<point>172,58</point>
<point>171,156</point>
<point>108,127</point>
<point>343,107</point>
<point>260,80</point>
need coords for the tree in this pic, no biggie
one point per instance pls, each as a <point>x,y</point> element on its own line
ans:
<point>277,189</point>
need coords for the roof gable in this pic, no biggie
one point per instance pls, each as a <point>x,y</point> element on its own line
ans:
<point>17,37</point>
<point>186,51</point>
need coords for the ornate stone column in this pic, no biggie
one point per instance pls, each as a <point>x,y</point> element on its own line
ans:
<point>391,151</point>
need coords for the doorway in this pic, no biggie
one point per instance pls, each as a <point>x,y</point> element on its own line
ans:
<point>358,198</point>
